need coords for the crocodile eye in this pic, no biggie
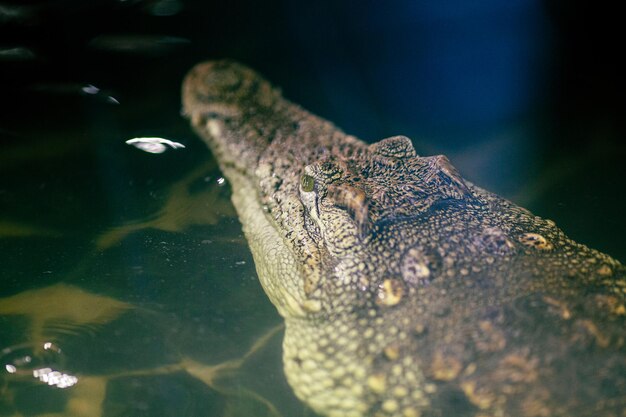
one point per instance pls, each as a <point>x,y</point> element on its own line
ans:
<point>307,183</point>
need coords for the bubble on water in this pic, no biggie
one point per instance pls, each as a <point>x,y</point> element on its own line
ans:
<point>55,378</point>
<point>44,363</point>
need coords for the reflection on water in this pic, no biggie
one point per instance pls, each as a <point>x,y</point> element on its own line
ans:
<point>60,308</point>
<point>181,209</point>
<point>134,44</point>
<point>145,305</point>
<point>154,145</point>
<point>70,89</point>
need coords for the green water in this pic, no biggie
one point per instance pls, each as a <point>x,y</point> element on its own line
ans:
<point>134,267</point>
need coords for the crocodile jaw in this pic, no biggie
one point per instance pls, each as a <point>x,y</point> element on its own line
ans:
<point>272,257</point>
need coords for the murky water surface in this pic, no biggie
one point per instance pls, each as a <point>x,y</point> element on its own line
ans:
<point>128,288</point>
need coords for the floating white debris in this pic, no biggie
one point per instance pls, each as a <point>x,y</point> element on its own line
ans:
<point>154,145</point>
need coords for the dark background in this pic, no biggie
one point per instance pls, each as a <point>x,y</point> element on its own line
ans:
<point>526,97</point>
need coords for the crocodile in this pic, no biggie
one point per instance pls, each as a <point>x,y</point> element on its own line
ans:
<point>405,289</point>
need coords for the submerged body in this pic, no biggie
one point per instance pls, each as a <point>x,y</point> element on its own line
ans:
<point>406,290</point>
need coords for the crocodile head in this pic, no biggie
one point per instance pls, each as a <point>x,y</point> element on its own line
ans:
<point>404,288</point>
<point>317,205</point>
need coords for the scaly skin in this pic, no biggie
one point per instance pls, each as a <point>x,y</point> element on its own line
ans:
<point>406,290</point>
